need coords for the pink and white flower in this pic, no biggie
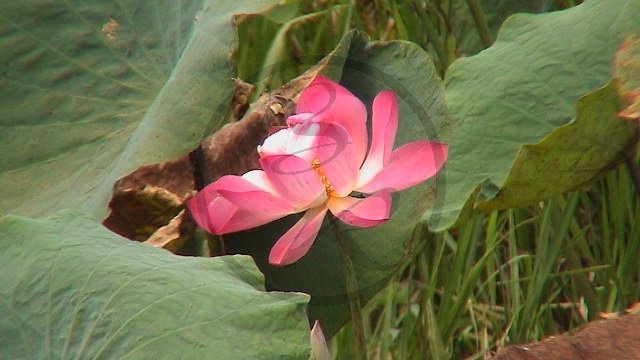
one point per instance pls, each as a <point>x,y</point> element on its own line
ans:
<point>317,164</point>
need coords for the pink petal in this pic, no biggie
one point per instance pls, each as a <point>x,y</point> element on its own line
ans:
<point>297,241</point>
<point>302,118</point>
<point>337,158</point>
<point>248,196</point>
<point>217,215</point>
<point>303,141</point>
<point>370,211</point>
<point>203,209</point>
<point>325,97</point>
<point>243,219</point>
<point>294,179</point>
<point>384,127</point>
<point>408,165</point>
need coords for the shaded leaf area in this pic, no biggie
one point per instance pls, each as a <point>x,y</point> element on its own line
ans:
<point>616,337</point>
<point>570,155</point>
<point>627,72</point>
<point>91,90</point>
<point>71,289</point>
<point>369,68</point>
<point>517,92</point>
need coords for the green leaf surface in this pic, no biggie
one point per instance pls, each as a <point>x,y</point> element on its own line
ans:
<point>521,89</point>
<point>86,101</point>
<point>495,13</point>
<point>73,290</point>
<point>575,153</point>
<point>368,69</point>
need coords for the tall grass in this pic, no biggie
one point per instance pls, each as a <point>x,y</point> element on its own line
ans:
<point>511,276</point>
<point>508,276</point>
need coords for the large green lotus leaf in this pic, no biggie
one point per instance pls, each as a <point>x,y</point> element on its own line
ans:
<point>521,89</point>
<point>495,12</point>
<point>70,289</point>
<point>376,252</point>
<point>576,152</point>
<point>90,90</point>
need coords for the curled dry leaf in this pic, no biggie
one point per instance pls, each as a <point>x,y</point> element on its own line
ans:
<point>149,205</point>
<point>147,199</point>
<point>173,235</point>
<point>627,72</point>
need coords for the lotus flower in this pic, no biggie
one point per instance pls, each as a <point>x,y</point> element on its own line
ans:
<point>320,163</point>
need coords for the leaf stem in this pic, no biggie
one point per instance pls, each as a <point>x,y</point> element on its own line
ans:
<point>481,22</point>
<point>353,295</point>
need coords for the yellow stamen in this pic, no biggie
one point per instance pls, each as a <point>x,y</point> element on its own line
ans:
<point>328,188</point>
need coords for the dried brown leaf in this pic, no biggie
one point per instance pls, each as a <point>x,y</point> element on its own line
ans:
<point>145,200</point>
<point>627,72</point>
<point>614,338</point>
<point>173,235</point>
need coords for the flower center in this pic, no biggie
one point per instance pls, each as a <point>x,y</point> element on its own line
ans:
<point>315,165</point>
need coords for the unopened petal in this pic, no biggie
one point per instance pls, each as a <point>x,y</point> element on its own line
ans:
<point>319,348</point>
<point>294,179</point>
<point>297,241</point>
<point>325,97</point>
<point>384,117</point>
<point>337,159</point>
<point>370,211</point>
<point>408,165</point>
